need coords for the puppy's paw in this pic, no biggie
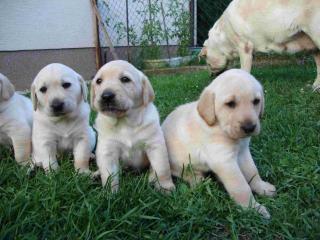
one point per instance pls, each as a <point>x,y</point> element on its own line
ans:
<point>164,184</point>
<point>316,86</point>
<point>109,183</point>
<point>54,167</point>
<point>262,210</point>
<point>85,171</point>
<point>31,170</point>
<point>168,187</point>
<point>92,157</point>
<point>114,188</point>
<point>265,188</point>
<point>95,175</point>
<point>165,187</point>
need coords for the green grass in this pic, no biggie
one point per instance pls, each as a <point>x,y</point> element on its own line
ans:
<point>68,206</point>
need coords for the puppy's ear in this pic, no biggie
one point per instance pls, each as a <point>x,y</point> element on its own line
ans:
<point>147,90</point>
<point>262,105</point>
<point>206,107</point>
<point>7,89</point>
<point>92,95</point>
<point>34,97</point>
<point>84,88</point>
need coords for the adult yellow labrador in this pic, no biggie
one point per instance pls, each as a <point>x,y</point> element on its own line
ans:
<point>213,134</point>
<point>280,26</point>
<point>128,124</point>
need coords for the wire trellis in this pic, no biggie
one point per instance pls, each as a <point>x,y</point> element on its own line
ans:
<point>152,29</point>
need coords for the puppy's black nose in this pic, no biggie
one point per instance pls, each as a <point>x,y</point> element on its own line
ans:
<point>248,127</point>
<point>107,96</point>
<point>57,105</point>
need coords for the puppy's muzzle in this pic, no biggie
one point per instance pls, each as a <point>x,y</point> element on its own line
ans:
<point>57,106</point>
<point>248,127</point>
<point>108,103</point>
<point>108,96</point>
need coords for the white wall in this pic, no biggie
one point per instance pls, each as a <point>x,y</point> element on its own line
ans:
<point>45,24</point>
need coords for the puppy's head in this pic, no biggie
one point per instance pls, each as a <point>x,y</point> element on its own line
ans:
<point>6,88</point>
<point>57,90</point>
<point>119,87</point>
<point>235,102</point>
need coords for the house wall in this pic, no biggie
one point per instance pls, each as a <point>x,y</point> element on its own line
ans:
<point>22,66</point>
<point>45,24</point>
<point>34,33</point>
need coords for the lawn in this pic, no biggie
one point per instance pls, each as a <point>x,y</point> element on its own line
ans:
<point>65,205</point>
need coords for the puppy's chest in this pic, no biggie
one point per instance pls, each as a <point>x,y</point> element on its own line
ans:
<point>217,153</point>
<point>133,145</point>
<point>131,140</point>
<point>65,142</point>
<point>66,138</point>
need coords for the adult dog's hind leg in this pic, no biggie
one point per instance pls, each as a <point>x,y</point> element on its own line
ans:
<point>245,53</point>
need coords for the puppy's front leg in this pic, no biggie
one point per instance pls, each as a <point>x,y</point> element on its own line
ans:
<point>236,185</point>
<point>252,176</point>
<point>21,141</point>
<point>107,155</point>
<point>45,154</point>
<point>81,153</point>
<point>160,172</point>
<point>245,53</point>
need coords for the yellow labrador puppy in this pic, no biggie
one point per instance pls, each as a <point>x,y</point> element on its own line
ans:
<point>213,134</point>
<point>128,124</point>
<point>247,26</point>
<point>15,121</point>
<point>61,117</point>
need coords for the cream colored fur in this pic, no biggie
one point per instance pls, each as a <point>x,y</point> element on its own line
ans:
<point>67,130</point>
<point>208,135</point>
<point>249,26</point>
<point>15,121</point>
<point>128,125</point>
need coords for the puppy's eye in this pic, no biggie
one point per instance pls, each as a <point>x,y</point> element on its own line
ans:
<point>125,79</point>
<point>66,85</point>
<point>99,81</point>
<point>256,101</point>
<point>43,89</point>
<point>231,104</point>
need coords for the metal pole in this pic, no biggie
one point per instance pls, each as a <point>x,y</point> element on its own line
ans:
<point>195,19</point>
<point>103,27</point>
<point>97,41</point>
<point>128,37</point>
<point>150,22</point>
